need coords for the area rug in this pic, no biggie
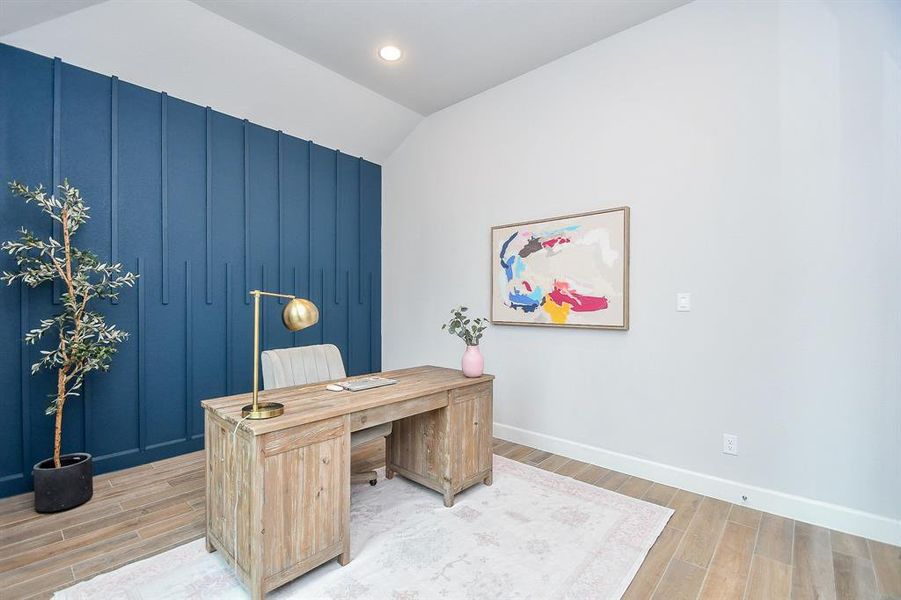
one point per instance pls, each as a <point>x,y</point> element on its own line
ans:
<point>533,534</point>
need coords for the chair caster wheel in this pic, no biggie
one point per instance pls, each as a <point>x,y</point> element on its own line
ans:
<point>373,481</point>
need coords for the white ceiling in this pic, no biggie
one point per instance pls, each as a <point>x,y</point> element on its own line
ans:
<point>19,14</point>
<point>453,49</point>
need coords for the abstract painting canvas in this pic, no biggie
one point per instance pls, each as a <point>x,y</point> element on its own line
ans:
<point>570,271</point>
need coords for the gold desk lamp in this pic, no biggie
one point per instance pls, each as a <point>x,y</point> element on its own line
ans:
<point>298,314</point>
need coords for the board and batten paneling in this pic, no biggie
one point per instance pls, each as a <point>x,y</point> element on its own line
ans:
<point>204,206</point>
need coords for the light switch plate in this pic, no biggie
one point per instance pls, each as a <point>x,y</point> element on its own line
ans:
<point>683,302</point>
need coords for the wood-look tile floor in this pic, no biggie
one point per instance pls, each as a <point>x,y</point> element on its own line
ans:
<point>709,549</point>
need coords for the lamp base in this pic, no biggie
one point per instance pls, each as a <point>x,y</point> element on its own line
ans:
<point>264,410</point>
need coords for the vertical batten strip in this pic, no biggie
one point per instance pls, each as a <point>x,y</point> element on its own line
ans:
<point>57,123</point>
<point>142,357</point>
<point>337,223</point>
<point>296,292</point>
<point>360,230</point>
<point>322,304</point>
<point>209,205</point>
<point>228,329</point>
<point>246,212</point>
<point>310,217</point>
<point>56,229</point>
<point>279,157</point>
<point>347,319</point>
<point>164,190</point>
<point>24,374</point>
<point>86,416</point>
<point>264,339</point>
<point>371,322</point>
<point>189,354</point>
<point>114,171</point>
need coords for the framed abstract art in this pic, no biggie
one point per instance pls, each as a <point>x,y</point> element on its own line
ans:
<point>570,271</point>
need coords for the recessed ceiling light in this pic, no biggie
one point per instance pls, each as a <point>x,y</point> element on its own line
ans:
<point>390,53</point>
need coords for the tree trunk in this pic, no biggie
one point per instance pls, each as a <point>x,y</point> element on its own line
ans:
<point>60,402</point>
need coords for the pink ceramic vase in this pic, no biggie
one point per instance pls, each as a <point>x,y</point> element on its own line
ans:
<point>473,363</point>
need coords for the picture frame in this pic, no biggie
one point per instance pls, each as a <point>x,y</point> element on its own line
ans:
<point>565,271</point>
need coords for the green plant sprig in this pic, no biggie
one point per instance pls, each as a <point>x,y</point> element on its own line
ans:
<point>467,329</point>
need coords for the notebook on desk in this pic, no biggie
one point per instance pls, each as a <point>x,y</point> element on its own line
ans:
<point>358,385</point>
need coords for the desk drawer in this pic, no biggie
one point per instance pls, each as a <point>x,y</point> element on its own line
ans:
<point>303,435</point>
<point>471,392</point>
<point>398,410</point>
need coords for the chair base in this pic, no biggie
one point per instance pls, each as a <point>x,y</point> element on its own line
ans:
<point>370,477</point>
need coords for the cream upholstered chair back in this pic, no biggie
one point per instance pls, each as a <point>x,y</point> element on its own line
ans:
<point>311,364</point>
<point>296,366</point>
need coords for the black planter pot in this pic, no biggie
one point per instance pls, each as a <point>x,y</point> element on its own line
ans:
<point>69,486</point>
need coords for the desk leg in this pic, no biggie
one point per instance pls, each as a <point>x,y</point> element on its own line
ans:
<point>257,523</point>
<point>257,591</point>
<point>208,477</point>
<point>344,508</point>
<point>389,472</point>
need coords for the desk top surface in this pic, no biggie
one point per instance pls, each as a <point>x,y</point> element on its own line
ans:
<point>312,402</point>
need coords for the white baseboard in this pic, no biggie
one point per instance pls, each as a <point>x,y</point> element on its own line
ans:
<point>824,514</point>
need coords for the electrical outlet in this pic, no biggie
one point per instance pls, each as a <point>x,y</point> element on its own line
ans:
<point>730,444</point>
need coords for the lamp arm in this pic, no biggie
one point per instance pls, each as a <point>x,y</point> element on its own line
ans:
<point>273,294</point>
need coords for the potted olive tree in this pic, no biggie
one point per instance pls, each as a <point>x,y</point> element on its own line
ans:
<point>85,342</point>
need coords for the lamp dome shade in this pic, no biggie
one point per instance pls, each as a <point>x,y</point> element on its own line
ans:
<point>299,314</point>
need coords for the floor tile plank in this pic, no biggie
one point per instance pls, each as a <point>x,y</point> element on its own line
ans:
<point>849,544</point>
<point>728,572</point>
<point>681,581</point>
<point>29,544</point>
<point>519,452</point>
<point>107,546</point>
<point>654,565</point>
<point>572,467</point>
<point>769,579</point>
<point>855,578</point>
<point>55,522</point>
<point>775,538</point>
<point>553,463</point>
<point>137,550</point>
<point>536,457</point>
<point>591,473</point>
<point>660,494</point>
<point>745,516</point>
<point>813,577</point>
<point>91,533</point>
<point>703,534</point>
<point>887,564</point>
<point>685,504</point>
<point>47,582</point>
<point>612,480</point>
<point>636,487</point>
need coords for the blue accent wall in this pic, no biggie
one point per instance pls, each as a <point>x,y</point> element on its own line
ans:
<point>204,206</point>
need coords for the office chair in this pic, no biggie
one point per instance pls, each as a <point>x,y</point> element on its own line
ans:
<point>311,364</point>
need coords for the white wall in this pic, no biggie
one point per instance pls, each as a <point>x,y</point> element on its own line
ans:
<point>758,146</point>
<point>193,54</point>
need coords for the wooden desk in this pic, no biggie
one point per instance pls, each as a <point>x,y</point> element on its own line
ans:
<point>278,490</point>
